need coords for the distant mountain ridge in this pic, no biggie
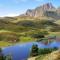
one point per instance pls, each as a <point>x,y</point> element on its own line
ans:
<point>43,12</point>
<point>46,10</point>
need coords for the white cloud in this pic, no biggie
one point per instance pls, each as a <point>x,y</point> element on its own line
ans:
<point>10,15</point>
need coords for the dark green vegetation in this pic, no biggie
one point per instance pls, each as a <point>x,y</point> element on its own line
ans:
<point>2,57</point>
<point>41,52</point>
<point>35,51</point>
<point>47,50</point>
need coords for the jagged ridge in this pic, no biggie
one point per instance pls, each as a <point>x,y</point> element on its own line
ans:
<point>46,10</point>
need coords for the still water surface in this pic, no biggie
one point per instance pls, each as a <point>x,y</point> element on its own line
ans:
<point>22,51</point>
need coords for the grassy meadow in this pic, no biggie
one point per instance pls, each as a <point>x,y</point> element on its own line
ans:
<point>14,31</point>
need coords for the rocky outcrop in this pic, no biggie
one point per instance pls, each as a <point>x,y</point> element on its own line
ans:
<point>46,10</point>
<point>40,11</point>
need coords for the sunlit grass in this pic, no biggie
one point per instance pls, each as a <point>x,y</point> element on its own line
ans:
<point>26,39</point>
<point>58,22</point>
<point>4,31</point>
<point>4,44</point>
<point>54,33</point>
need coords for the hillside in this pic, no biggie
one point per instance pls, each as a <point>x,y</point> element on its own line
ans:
<point>23,28</point>
<point>57,22</point>
<point>26,25</point>
<point>53,56</point>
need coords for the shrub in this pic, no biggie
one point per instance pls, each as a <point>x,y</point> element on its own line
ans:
<point>34,50</point>
<point>47,50</point>
<point>1,55</point>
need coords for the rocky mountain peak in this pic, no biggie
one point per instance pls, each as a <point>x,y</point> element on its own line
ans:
<point>39,11</point>
<point>42,11</point>
<point>48,6</point>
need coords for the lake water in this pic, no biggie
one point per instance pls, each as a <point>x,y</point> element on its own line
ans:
<point>22,51</point>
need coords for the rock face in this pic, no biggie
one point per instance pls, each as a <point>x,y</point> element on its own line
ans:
<point>58,10</point>
<point>44,10</point>
<point>39,11</point>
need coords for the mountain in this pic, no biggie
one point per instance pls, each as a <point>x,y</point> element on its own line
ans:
<point>58,10</point>
<point>44,11</point>
<point>39,11</point>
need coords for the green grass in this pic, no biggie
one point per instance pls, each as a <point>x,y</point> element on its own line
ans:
<point>26,39</point>
<point>4,44</point>
<point>22,40</point>
<point>22,30</point>
<point>5,36</point>
<point>54,33</point>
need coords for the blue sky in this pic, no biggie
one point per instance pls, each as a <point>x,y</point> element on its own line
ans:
<point>16,7</point>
